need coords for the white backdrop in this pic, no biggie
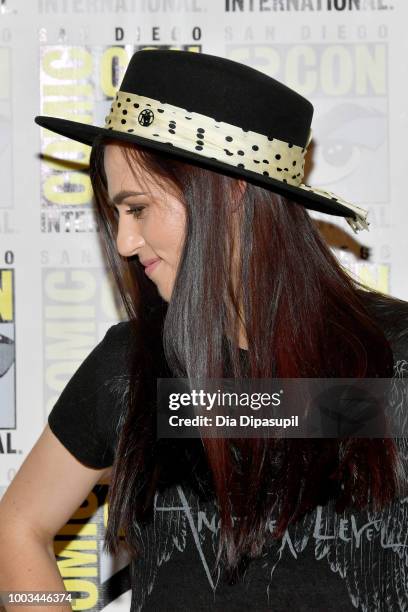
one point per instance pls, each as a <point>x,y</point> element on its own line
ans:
<point>66,58</point>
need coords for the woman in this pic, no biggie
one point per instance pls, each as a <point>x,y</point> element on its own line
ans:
<point>222,273</point>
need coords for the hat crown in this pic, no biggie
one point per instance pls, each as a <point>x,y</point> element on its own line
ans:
<point>222,89</point>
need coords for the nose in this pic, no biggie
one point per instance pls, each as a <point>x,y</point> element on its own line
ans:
<point>128,238</point>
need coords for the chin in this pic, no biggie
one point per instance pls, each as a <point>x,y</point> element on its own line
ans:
<point>165,295</point>
<point>165,287</point>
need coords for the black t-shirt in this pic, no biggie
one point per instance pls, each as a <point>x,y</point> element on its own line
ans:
<point>326,561</point>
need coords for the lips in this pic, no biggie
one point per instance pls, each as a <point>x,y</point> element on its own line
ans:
<point>147,262</point>
<point>150,265</point>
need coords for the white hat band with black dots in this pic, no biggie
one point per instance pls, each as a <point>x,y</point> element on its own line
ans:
<point>218,140</point>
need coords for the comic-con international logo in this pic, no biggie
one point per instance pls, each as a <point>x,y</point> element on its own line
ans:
<point>235,6</point>
<point>7,350</point>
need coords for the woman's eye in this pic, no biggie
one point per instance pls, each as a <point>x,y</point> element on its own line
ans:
<point>135,211</point>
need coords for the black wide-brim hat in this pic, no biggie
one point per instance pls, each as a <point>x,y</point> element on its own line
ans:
<point>219,114</point>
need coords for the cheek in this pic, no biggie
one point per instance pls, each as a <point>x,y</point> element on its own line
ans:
<point>178,240</point>
<point>170,234</point>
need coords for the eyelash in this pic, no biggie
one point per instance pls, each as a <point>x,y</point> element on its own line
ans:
<point>135,211</point>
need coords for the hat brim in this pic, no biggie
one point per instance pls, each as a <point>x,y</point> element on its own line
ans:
<point>86,134</point>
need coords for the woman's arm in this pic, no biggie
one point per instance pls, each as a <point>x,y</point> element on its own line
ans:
<point>49,486</point>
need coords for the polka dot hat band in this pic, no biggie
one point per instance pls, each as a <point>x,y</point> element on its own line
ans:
<point>268,148</point>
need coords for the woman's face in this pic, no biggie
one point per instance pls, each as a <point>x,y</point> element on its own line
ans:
<point>151,222</point>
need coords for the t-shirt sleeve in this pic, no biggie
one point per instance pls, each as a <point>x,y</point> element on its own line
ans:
<point>87,414</point>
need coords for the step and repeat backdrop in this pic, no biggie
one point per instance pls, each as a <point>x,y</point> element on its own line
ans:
<point>57,298</point>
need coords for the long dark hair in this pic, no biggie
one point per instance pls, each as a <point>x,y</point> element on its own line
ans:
<point>305,317</point>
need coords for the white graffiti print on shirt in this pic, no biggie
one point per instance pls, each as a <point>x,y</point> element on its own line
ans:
<point>352,543</point>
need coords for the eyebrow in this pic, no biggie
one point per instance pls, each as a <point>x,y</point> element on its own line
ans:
<point>122,195</point>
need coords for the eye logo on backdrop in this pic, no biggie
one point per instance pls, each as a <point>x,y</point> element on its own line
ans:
<point>7,350</point>
<point>347,83</point>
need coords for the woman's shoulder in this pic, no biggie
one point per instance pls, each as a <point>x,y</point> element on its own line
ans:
<point>118,335</point>
<point>119,331</point>
<point>391,314</point>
